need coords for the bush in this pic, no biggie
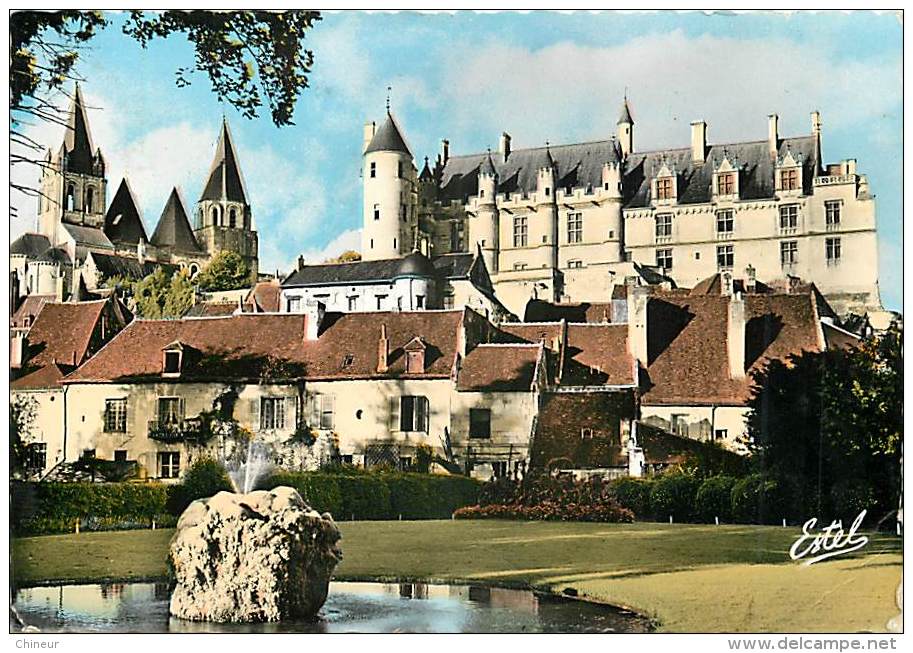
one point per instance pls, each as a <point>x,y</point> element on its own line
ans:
<point>633,494</point>
<point>319,490</point>
<point>714,498</point>
<point>364,496</point>
<point>759,499</point>
<point>205,478</point>
<point>45,508</point>
<point>674,494</point>
<point>549,511</point>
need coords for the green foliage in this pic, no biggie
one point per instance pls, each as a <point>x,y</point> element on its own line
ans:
<point>22,414</point>
<point>760,499</point>
<point>41,508</point>
<point>347,256</point>
<point>424,455</point>
<point>714,498</point>
<point>159,295</point>
<point>831,418</point>
<point>633,494</point>
<point>673,494</point>
<point>203,479</point>
<point>226,271</point>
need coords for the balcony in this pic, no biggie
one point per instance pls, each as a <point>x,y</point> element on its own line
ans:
<point>832,180</point>
<point>173,432</point>
<point>724,235</point>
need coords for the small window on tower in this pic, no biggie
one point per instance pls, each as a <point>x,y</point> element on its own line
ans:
<point>377,211</point>
<point>373,170</point>
<point>232,218</point>
<point>399,170</point>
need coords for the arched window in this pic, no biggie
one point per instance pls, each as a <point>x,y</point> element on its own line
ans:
<point>70,202</point>
<point>200,217</point>
<point>90,199</point>
<point>215,215</point>
<point>194,270</point>
<point>232,218</point>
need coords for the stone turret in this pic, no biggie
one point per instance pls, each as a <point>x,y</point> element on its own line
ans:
<point>484,226</point>
<point>625,130</point>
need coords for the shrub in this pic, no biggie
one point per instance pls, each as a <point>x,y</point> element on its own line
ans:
<point>503,490</point>
<point>364,496</point>
<point>549,511</point>
<point>633,494</point>
<point>673,494</point>
<point>203,479</point>
<point>714,498</point>
<point>759,499</point>
<point>319,490</point>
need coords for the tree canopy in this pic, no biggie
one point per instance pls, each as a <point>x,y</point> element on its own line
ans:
<point>159,295</point>
<point>226,271</point>
<point>347,256</point>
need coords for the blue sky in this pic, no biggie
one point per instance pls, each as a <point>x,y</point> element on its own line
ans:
<point>468,77</point>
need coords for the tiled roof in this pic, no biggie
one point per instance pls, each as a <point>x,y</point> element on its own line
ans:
<point>560,438</point>
<point>597,354</point>
<point>252,345</point>
<point>538,310</point>
<point>499,368</point>
<point>29,309</point>
<point>687,344</point>
<point>266,296</point>
<point>63,332</point>
<point>47,376</point>
<point>123,223</point>
<point>211,309</point>
<point>30,245</point>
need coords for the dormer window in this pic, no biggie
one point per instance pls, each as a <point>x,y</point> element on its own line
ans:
<point>665,189</point>
<point>415,356</point>
<point>726,182</point>
<point>789,179</point>
<point>789,173</point>
<point>172,359</point>
<point>665,186</point>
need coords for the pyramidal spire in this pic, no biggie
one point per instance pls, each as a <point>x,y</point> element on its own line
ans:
<point>123,222</point>
<point>173,229</point>
<point>225,181</point>
<point>77,141</point>
<point>625,116</point>
<point>388,138</point>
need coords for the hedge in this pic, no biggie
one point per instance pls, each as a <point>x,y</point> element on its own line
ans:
<point>758,499</point>
<point>634,494</point>
<point>673,494</point>
<point>45,508</point>
<point>714,498</point>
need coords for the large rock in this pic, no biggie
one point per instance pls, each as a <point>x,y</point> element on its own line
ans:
<point>263,556</point>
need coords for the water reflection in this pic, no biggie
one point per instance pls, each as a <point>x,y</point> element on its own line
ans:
<point>351,607</point>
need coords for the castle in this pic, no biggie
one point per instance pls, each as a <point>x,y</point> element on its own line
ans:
<point>82,239</point>
<point>567,223</point>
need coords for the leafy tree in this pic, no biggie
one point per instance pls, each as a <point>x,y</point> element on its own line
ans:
<point>226,271</point>
<point>347,256</point>
<point>159,295</point>
<point>22,414</point>
<point>833,420</point>
<point>249,57</point>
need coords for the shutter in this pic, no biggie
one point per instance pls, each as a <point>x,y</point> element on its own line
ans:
<point>314,402</point>
<point>291,417</point>
<point>253,412</point>
<point>181,408</point>
<point>394,414</point>
<point>426,417</point>
<point>329,406</point>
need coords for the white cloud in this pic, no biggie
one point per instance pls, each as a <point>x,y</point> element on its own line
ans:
<point>273,258</point>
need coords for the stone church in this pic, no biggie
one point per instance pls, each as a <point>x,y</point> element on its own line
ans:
<point>569,222</point>
<point>82,239</point>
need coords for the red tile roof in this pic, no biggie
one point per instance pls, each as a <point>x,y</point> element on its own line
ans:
<point>687,344</point>
<point>29,309</point>
<point>63,332</point>
<point>597,354</point>
<point>47,376</point>
<point>499,368</point>
<point>264,296</point>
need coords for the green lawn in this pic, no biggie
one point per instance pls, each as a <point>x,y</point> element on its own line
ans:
<point>688,578</point>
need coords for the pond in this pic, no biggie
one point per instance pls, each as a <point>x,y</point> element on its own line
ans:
<point>352,607</point>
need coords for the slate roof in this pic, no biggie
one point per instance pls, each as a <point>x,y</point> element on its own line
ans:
<point>123,223</point>
<point>225,180</point>
<point>388,138</point>
<point>90,237</point>
<point>346,273</point>
<point>128,267</point>
<point>54,255</point>
<point>30,245</point>
<point>77,142</point>
<point>625,115</point>
<point>247,345</point>
<point>454,266</point>
<point>580,165</point>
<point>173,229</point>
<point>499,368</point>
<point>687,344</point>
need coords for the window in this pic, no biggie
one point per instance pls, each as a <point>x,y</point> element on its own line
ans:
<point>832,214</point>
<point>726,183</point>
<point>169,464</point>
<point>519,266</point>
<point>90,199</point>
<point>413,414</point>
<point>327,408</point>
<point>346,459</point>
<point>116,415</point>
<point>420,301</point>
<point>720,434</point>
<point>664,259</point>
<point>347,360</point>
<point>520,231</point>
<point>170,410</point>
<point>575,227</point>
<point>272,413</point>
<point>575,264</point>
<point>373,170</point>
<point>586,434</point>
<point>294,304</point>
<point>499,468</point>
<point>399,170</point>
<point>402,212</point>
<point>789,253</point>
<point>789,179</point>
<point>789,218</point>
<point>548,191</point>
<point>664,189</point>
<point>679,425</point>
<point>448,301</point>
<point>663,227</point>
<point>120,455</point>
<point>71,198</point>
<point>232,218</point>
<point>36,457</point>
<point>377,211</point>
<point>381,300</point>
<point>172,362</point>
<point>725,258</point>
<point>353,303</point>
<point>832,250</point>
<point>480,423</point>
<point>724,222</point>
<point>215,216</point>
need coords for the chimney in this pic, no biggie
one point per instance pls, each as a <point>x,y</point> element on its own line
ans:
<point>301,261</point>
<point>504,146</point>
<point>141,251</point>
<point>816,123</point>
<point>370,127</point>
<point>638,297</point>
<point>58,285</point>
<point>698,141</point>
<point>17,349</point>
<point>314,312</point>
<point>773,137</point>
<point>751,281</point>
<point>383,350</point>
<point>735,336</point>
<point>445,151</point>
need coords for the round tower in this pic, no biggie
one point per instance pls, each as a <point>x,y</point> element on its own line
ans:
<point>625,130</point>
<point>546,178</point>
<point>611,191</point>
<point>389,183</point>
<point>483,228</point>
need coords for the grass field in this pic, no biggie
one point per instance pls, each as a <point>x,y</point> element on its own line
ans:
<point>689,578</point>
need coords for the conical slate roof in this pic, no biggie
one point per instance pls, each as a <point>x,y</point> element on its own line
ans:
<point>173,229</point>
<point>416,264</point>
<point>77,142</point>
<point>388,138</point>
<point>625,114</point>
<point>426,174</point>
<point>123,223</point>
<point>544,159</point>
<point>225,182</point>
<point>487,167</point>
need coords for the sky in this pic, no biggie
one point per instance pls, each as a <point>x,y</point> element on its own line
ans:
<point>467,77</point>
